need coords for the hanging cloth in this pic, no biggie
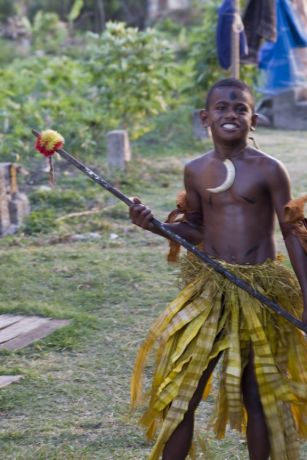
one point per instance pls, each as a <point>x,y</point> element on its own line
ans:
<point>226,17</point>
<point>278,59</point>
<point>259,21</point>
<point>300,7</point>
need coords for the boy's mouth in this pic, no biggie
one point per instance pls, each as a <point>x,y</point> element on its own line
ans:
<point>229,126</point>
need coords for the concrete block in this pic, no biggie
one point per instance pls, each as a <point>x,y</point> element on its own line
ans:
<point>4,210</point>
<point>14,206</point>
<point>19,208</point>
<point>178,4</point>
<point>118,149</point>
<point>289,110</point>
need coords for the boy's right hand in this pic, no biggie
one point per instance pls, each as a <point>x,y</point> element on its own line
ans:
<point>140,215</point>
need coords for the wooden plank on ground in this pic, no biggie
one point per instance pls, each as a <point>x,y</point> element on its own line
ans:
<point>5,380</point>
<point>40,331</point>
<point>6,320</point>
<point>23,326</point>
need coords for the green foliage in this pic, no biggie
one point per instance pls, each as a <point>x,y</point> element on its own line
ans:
<point>60,7</point>
<point>8,51</point>
<point>44,92</point>
<point>60,200</point>
<point>132,75</point>
<point>6,9</point>
<point>48,33</point>
<point>124,78</point>
<point>75,10</point>
<point>203,49</point>
<point>40,222</point>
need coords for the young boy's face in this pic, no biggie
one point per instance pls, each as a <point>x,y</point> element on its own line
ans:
<point>229,114</point>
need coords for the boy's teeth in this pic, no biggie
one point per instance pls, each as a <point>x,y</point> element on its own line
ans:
<point>229,126</point>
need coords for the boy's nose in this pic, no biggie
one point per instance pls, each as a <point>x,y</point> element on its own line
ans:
<point>231,113</point>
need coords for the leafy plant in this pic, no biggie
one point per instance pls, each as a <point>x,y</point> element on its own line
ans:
<point>40,222</point>
<point>132,75</point>
<point>43,92</point>
<point>124,78</point>
<point>61,200</point>
<point>6,9</point>
<point>48,32</point>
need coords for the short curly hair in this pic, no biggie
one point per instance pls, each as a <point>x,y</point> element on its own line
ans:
<point>228,82</point>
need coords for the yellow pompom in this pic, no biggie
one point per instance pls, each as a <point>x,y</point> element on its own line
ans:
<point>48,142</point>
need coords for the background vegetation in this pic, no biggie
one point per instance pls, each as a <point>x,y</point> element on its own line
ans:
<point>88,83</point>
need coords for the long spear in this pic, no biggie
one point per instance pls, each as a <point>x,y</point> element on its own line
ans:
<point>218,267</point>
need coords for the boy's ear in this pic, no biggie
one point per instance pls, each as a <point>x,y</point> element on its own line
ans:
<point>203,114</point>
<point>254,121</point>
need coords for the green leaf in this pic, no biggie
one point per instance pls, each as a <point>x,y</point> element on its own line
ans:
<point>75,10</point>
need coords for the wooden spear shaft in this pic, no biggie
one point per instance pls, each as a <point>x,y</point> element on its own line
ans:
<point>218,267</point>
<point>235,42</point>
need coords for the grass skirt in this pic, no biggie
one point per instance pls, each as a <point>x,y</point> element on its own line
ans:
<point>209,316</point>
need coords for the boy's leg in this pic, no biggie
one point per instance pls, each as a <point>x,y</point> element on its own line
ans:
<point>179,443</point>
<point>257,432</point>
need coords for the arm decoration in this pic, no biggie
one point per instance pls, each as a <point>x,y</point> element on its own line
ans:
<point>180,214</point>
<point>177,215</point>
<point>295,222</point>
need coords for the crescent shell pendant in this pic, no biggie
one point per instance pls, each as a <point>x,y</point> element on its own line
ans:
<point>230,178</point>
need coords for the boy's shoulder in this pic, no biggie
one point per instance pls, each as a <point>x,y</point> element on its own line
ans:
<point>199,161</point>
<point>257,155</point>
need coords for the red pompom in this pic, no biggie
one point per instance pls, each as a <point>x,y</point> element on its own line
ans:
<point>48,142</point>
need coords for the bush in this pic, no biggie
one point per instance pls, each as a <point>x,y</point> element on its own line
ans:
<point>59,200</point>
<point>132,73</point>
<point>48,33</point>
<point>124,77</point>
<point>40,222</point>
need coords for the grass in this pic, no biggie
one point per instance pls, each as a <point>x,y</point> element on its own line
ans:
<point>73,402</point>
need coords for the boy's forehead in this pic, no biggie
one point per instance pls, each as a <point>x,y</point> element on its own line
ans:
<point>232,94</point>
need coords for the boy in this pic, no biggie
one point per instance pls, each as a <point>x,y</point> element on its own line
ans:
<point>263,386</point>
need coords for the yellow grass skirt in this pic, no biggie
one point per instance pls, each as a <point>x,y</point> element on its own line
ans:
<point>209,316</point>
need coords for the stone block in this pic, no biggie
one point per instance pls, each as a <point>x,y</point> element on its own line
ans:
<point>118,149</point>
<point>4,210</point>
<point>289,110</point>
<point>175,5</point>
<point>19,208</point>
<point>14,206</point>
<point>162,8</point>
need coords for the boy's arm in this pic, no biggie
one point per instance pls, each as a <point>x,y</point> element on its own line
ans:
<point>190,229</point>
<point>281,195</point>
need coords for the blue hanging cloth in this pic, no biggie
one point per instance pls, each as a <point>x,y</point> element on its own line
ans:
<point>226,15</point>
<point>277,59</point>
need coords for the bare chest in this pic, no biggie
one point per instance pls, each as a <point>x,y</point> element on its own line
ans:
<point>235,184</point>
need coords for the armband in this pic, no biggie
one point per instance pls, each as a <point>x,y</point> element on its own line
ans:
<point>180,214</point>
<point>177,215</point>
<point>295,222</point>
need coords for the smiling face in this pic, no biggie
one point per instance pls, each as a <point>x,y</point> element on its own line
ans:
<point>230,114</point>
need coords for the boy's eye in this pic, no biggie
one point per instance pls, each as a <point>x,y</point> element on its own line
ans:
<point>242,109</point>
<point>220,107</point>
